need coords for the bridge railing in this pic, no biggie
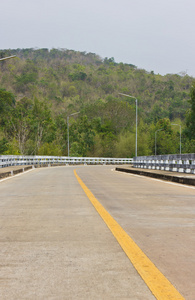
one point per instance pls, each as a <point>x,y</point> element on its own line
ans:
<point>16,160</point>
<point>173,162</point>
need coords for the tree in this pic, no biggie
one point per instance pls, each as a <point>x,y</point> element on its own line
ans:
<point>43,126</point>
<point>190,120</point>
<point>28,76</point>
<point>7,101</point>
<point>166,140</point>
<point>3,145</point>
<point>18,124</point>
<point>30,124</point>
<point>81,137</point>
<point>65,81</point>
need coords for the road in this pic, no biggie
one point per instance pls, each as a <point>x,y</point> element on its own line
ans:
<point>54,244</point>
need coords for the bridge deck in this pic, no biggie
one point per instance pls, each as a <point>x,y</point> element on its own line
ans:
<point>54,244</point>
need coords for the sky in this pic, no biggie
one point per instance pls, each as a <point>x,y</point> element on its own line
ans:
<point>154,35</point>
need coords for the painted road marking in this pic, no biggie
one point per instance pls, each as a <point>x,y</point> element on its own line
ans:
<point>159,285</point>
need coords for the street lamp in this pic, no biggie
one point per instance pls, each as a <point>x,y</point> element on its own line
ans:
<point>180,136</point>
<point>136,103</point>
<point>5,58</point>
<point>155,138</point>
<point>68,127</point>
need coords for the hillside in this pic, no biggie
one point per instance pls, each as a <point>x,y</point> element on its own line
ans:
<point>46,86</point>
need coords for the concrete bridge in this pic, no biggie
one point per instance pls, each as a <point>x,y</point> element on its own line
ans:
<point>91,232</point>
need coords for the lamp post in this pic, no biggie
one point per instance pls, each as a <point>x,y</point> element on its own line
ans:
<point>68,127</point>
<point>5,58</point>
<point>180,137</point>
<point>155,138</point>
<point>136,104</point>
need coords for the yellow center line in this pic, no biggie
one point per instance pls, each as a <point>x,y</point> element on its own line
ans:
<point>159,285</point>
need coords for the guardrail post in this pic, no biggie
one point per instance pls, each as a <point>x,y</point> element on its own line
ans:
<point>173,162</point>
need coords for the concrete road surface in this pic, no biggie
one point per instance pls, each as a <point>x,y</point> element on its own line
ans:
<point>54,244</point>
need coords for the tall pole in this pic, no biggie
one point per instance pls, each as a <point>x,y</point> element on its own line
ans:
<point>155,138</point>
<point>180,136</point>
<point>136,129</point>
<point>136,120</point>
<point>68,127</point>
<point>68,133</point>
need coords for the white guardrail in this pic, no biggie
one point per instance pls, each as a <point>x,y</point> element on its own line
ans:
<point>16,160</point>
<point>174,162</point>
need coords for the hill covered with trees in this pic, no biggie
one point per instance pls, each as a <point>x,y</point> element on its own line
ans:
<point>40,88</point>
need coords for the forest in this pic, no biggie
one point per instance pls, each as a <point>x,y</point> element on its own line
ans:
<point>42,91</point>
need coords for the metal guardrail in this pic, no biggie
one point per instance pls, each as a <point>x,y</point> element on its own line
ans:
<point>16,160</point>
<point>174,162</point>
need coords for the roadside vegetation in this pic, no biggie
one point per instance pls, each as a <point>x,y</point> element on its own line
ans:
<point>40,88</point>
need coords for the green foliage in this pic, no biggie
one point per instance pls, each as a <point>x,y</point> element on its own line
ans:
<point>50,149</point>
<point>3,145</point>
<point>82,137</point>
<point>77,76</point>
<point>41,87</point>
<point>7,101</point>
<point>13,148</point>
<point>167,142</point>
<point>109,61</point>
<point>190,122</point>
<point>125,146</point>
<point>29,75</point>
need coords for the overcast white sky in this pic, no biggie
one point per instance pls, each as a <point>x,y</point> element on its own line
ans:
<point>151,34</point>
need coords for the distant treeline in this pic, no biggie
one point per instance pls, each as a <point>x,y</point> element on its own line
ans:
<point>40,88</point>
